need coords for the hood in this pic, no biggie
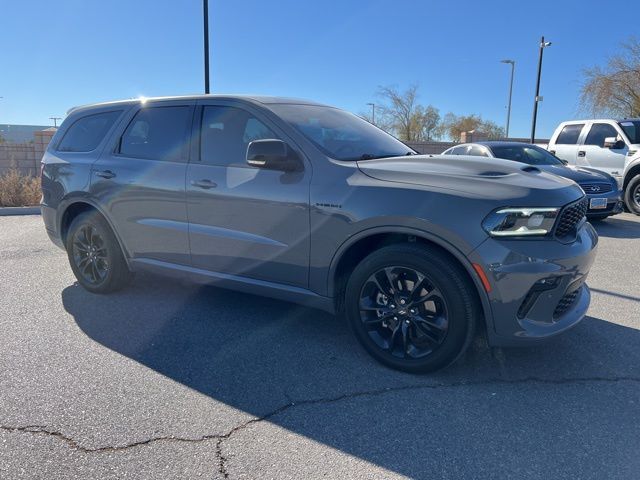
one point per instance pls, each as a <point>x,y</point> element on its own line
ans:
<point>577,174</point>
<point>482,178</point>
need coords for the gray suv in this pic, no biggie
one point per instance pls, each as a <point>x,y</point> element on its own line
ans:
<point>308,203</point>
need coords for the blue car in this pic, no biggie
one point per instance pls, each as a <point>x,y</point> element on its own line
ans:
<point>605,197</point>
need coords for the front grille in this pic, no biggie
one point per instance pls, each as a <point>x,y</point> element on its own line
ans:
<point>565,303</point>
<point>570,217</point>
<point>595,188</point>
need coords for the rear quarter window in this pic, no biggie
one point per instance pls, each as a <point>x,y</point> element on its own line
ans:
<point>86,133</point>
<point>569,134</point>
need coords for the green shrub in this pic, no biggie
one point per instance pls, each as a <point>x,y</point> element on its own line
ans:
<point>17,190</point>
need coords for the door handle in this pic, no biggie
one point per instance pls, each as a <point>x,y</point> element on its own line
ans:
<point>582,153</point>
<point>105,174</point>
<point>204,183</point>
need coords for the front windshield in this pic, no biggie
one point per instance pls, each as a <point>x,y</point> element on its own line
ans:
<point>339,134</point>
<point>526,154</point>
<point>631,129</point>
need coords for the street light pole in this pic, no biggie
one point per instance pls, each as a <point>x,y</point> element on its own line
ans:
<point>537,98</point>
<point>205,7</point>
<point>513,67</point>
<point>373,112</point>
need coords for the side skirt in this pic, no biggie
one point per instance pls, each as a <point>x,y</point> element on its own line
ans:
<point>252,286</point>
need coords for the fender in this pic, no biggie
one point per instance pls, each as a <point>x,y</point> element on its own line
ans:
<point>457,254</point>
<point>68,201</point>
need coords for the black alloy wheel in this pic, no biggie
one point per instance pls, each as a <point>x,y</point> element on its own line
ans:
<point>95,255</point>
<point>412,307</point>
<point>403,311</point>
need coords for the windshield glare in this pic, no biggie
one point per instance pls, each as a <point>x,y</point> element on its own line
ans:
<point>529,154</point>
<point>339,134</point>
<point>631,129</point>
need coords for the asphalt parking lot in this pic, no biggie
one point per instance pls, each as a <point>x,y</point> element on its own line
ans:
<point>170,380</point>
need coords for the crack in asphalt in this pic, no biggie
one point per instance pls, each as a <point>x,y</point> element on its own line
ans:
<point>220,438</point>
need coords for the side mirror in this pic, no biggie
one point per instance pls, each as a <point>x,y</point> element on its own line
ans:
<point>613,143</point>
<point>272,154</point>
<point>566,162</point>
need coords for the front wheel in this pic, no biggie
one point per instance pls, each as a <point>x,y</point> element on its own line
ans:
<point>411,307</point>
<point>95,255</point>
<point>632,195</point>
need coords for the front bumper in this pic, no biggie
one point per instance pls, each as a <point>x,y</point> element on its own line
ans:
<point>614,205</point>
<point>537,286</point>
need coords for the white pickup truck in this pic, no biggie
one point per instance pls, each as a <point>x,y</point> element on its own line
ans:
<point>612,146</point>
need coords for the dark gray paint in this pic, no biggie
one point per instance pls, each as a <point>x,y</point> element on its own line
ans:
<point>282,234</point>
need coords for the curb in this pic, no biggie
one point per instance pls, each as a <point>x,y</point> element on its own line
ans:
<point>8,211</point>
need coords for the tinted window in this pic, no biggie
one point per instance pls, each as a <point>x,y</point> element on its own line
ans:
<point>457,151</point>
<point>86,133</point>
<point>158,133</point>
<point>477,151</point>
<point>632,129</point>
<point>226,133</point>
<point>339,134</point>
<point>598,132</point>
<point>569,134</point>
<point>529,154</point>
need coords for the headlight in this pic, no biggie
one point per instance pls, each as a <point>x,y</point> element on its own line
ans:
<point>520,222</point>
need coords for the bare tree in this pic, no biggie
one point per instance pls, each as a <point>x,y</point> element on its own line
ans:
<point>615,89</point>
<point>401,114</point>
<point>453,126</point>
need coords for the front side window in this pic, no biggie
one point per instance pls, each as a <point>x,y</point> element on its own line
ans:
<point>598,132</point>
<point>569,134</point>
<point>226,134</point>
<point>341,135</point>
<point>158,133</point>
<point>87,132</point>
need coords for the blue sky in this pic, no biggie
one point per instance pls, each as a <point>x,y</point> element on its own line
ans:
<point>59,54</point>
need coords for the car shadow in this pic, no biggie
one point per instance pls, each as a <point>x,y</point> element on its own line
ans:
<point>257,355</point>
<point>618,226</point>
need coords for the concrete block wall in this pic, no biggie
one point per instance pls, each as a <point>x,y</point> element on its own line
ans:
<point>25,156</point>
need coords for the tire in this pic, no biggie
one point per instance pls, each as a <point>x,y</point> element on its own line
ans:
<point>95,255</point>
<point>632,195</point>
<point>435,324</point>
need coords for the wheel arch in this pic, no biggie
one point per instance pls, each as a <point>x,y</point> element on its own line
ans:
<point>633,171</point>
<point>352,251</point>
<point>74,207</point>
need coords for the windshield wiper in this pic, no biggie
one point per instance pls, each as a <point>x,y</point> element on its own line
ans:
<point>370,156</point>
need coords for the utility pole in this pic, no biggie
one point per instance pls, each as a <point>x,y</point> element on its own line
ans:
<point>373,112</point>
<point>538,98</point>
<point>513,67</point>
<point>55,121</point>
<point>205,7</point>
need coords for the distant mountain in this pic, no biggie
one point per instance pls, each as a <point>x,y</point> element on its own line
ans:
<point>20,133</point>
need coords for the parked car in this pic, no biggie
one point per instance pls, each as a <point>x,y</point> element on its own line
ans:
<point>308,203</point>
<point>611,146</point>
<point>601,188</point>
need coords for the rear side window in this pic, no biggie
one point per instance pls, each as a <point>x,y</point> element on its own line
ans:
<point>87,132</point>
<point>158,133</point>
<point>458,150</point>
<point>569,134</point>
<point>598,132</point>
<point>477,151</point>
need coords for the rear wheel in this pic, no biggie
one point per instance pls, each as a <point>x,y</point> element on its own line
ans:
<point>411,307</point>
<point>632,195</point>
<point>95,255</point>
